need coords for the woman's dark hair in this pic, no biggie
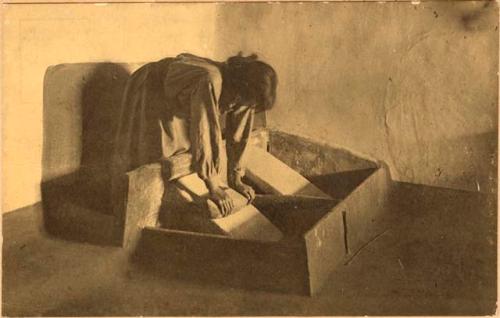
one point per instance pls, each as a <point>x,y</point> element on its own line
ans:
<point>254,80</point>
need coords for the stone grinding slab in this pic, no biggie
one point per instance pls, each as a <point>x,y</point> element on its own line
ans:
<point>186,208</point>
<point>274,177</point>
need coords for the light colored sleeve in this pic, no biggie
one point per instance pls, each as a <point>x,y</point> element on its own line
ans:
<point>205,130</point>
<point>239,125</point>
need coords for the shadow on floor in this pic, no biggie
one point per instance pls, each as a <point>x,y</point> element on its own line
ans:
<point>79,135</point>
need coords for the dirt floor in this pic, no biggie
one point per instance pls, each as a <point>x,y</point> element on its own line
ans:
<point>438,258</point>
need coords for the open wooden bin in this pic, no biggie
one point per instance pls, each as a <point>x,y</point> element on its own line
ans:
<point>319,235</point>
<point>289,265</point>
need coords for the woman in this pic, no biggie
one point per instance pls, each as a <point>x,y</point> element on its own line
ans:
<point>173,106</point>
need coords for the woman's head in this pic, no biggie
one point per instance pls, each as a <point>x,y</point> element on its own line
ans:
<point>254,82</point>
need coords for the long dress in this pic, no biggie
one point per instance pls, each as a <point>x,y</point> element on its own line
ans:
<point>171,107</point>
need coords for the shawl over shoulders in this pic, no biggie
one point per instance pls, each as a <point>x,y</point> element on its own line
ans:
<point>159,104</point>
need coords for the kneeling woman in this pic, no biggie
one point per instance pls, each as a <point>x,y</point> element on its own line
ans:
<point>173,106</point>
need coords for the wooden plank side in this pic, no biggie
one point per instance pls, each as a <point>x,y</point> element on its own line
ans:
<point>325,248</point>
<point>213,259</point>
<point>142,194</point>
<point>350,225</point>
<point>367,210</point>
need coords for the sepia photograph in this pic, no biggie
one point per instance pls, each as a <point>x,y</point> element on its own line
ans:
<point>320,158</point>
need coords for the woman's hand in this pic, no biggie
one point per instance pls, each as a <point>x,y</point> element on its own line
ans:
<point>246,190</point>
<point>223,200</point>
<point>220,197</point>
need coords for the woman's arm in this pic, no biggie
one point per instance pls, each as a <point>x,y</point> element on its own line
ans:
<point>206,140</point>
<point>205,131</point>
<point>239,125</point>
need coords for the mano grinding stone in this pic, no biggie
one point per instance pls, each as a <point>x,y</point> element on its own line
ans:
<point>188,208</point>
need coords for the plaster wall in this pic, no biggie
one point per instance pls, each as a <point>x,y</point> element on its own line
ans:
<point>412,85</point>
<point>38,36</point>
